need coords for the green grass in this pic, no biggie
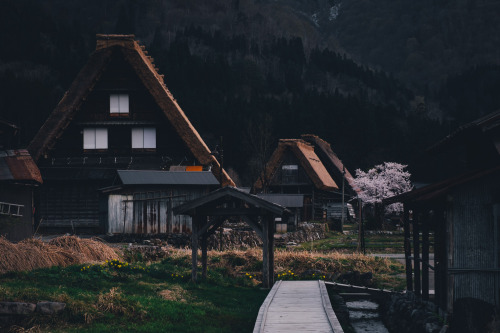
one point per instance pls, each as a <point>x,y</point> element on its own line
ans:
<point>348,243</point>
<point>158,298</point>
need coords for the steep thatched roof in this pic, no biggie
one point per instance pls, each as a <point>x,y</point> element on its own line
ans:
<point>336,164</point>
<point>308,159</point>
<point>107,45</point>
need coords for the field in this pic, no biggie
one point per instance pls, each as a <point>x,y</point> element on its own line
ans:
<point>131,295</point>
<point>375,242</point>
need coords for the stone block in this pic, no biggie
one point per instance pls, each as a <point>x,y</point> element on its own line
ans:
<point>50,308</point>
<point>16,308</point>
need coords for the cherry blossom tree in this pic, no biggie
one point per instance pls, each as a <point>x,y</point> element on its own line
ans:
<point>383,181</point>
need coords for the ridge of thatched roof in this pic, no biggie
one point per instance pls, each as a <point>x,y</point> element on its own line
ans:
<point>326,148</point>
<point>308,159</point>
<point>145,69</point>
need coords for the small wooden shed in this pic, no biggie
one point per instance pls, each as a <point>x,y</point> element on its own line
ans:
<point>143,202</point>
<point>19,177</point>
<point>210,211</point>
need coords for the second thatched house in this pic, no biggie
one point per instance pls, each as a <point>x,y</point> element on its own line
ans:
<point>307,174</point>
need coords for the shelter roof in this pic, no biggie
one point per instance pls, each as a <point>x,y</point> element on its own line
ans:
<point>439,189</point>
<point>308,159</point>
<point>484,124</point>
<point>153,177</point>
<point>134,54</point>
<point>17,165</point>
<point>229,193</point>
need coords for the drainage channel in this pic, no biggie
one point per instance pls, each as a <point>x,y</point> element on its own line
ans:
<point>363,313</point>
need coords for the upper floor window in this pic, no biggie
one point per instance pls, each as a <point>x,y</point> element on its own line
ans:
<point>290,173</point>
<point>118,104</point>
<point>95,138</point>
<point>144,138</point>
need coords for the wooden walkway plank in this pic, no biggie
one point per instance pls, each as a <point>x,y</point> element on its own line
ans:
<point>297,306</point>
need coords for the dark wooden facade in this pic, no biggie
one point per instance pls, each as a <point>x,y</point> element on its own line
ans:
<point>117,115</point>
<point>462,211</point>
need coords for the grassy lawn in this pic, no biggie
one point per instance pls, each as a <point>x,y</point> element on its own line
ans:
<point>154,298</point>
<point>134,296</point>
<point>374,243</point>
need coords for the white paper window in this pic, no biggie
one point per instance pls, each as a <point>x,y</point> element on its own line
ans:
<point>95,138</point>
<point>144,137</point>
<point>118,104</point>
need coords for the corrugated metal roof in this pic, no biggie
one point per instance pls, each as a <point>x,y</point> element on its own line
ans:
<point>285,200</point>
<point>152,177</point>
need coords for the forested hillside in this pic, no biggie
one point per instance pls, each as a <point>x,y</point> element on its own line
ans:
<point>245,69</point>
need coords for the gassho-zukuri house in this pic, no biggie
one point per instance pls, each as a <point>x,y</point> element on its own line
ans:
<point>117,153</point>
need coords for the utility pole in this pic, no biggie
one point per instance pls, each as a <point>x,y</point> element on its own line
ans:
<point>343,201</point>
<point>221,162</point>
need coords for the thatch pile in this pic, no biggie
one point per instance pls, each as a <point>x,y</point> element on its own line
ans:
<point>61,251</point>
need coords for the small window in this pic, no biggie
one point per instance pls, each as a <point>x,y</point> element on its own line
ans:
<point>290,174</point>
<point>95,138</point>
<point>118,104</point>
<point>144,138</point>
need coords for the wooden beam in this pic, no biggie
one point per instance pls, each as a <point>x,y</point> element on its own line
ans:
<point>204,246</point>
<point>194,248</point>
<point>425,257</point>
<point>416,254</point>
<point>254,224</point>
<point>265,253</point>
<point>271,249</point>
<point>211,211</point>
<point>214,227</point>
<point>203,229</point>
<point>407,245</point>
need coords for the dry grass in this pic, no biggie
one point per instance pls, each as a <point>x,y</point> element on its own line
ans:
<point>62,251</point>
<point>299,261</point>
<point>175,293</point>
<point>19,329</point>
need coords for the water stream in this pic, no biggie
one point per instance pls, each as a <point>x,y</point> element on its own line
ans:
<point>365,317</point>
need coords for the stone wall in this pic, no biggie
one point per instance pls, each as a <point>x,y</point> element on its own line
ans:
<point>17,312</point>
<point>406,313</point>
<point>234,236</point>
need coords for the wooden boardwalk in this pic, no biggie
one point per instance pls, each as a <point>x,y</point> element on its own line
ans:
<point>297,306</point>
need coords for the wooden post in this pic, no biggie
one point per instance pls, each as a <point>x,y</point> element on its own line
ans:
<point>265,252</point>
<point>440,257</point>
<point>204,246</point>
<point>407,245</point>
<point>194,248</point>
<point>425,258</point>
<point>416,254</point>
<point>271,250</point>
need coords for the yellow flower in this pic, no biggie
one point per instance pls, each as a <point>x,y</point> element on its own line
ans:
<point>119,266</point>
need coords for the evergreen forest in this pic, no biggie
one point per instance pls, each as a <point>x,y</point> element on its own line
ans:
<point>247,70</point>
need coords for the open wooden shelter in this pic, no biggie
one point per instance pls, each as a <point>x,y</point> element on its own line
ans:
<point>210,211</point>
<point>461,206</point>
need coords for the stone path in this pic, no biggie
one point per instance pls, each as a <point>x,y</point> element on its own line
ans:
<point>297,306</point>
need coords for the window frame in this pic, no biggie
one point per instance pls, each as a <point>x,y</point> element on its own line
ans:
<point>117,102</point>
<point>93,139</point>
<point>143,135</point>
